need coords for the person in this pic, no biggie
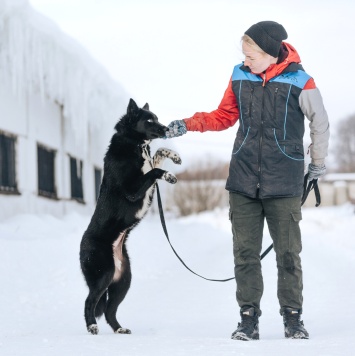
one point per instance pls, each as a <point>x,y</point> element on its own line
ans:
<point>269,94</point>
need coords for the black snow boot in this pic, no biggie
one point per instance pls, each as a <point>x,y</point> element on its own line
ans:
<point>294,328</point>
<point>248,329</point>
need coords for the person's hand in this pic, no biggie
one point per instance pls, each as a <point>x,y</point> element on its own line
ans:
<point>176,128</point>
<point>315,172</point>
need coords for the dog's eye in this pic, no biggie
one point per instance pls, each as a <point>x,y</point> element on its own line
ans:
<point>150,120</point>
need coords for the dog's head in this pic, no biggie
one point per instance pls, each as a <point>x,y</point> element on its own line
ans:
<point>141,122</point>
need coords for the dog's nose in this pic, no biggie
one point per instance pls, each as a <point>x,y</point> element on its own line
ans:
<point>162,130</point>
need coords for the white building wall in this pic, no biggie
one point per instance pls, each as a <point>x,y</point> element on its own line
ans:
<point>53,93</point>
<point>35,120</point>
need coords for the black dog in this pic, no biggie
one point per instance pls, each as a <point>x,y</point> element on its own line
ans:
<point>126,193</point>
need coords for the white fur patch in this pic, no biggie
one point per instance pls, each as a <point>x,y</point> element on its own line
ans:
<point>147,166</point>
<point>169,177</point>
<point>162,154</point>
<point>156,162</point>
<point>146,203</point>
<point>93,329</point>
<point>123,331</point>
<point>118,256</point>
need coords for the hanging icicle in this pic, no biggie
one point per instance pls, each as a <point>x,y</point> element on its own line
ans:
<point>38,57</point>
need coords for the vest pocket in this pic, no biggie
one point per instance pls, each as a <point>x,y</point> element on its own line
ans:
<point>290,149</point>
<point>237,145</point>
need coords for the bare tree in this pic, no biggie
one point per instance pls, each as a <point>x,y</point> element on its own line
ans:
<point>345,145</point>
<point>201,187</point>
<point>193,197</point>
<point>205,170</point>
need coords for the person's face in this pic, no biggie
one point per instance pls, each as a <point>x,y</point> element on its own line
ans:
<point>256,61</point>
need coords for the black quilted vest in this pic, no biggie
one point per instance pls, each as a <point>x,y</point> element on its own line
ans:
<point>268,157</point>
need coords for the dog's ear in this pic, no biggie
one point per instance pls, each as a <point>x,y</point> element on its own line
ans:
<point>132,107</point>
<point>146,106</point>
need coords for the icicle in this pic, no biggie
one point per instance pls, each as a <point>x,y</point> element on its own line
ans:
<point>38,57</point>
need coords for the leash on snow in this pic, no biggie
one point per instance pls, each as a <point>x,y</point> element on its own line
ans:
<point>313,184</point>
<point>162,219</point>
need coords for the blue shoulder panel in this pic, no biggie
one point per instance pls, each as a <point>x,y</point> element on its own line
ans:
<point>239,74</point>
<point>298,79</point>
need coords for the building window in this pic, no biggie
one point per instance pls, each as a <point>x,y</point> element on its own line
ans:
<point>8,182</point>
<point>46,172</point>
<point>98,176</point>
<point>76,179</point>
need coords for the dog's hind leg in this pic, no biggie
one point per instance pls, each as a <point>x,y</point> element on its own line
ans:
<point>116,293</point>
<point>101,305</point>
<point>90,304</point>
<point>97,295</point>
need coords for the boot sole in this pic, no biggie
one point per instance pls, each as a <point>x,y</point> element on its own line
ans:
<point>244,337</point>
<point>298,335</point>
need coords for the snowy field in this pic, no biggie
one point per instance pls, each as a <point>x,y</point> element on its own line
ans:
<point>169,310</point>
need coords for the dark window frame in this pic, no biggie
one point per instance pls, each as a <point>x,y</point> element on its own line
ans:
<point>46,173</point>
<point>76,182</point>
<point>8,155</point>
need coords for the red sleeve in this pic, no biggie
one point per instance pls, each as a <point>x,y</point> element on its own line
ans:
<point>224,117</point>
<point>310,84</point>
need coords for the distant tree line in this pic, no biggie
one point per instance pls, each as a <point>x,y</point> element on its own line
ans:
<point>205,170</point>
<point>344,148</point>
<point>201,187</point>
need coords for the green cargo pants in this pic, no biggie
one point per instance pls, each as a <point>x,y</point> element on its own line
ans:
<point>283,216</point>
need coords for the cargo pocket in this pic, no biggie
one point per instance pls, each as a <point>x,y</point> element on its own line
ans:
<point>295,244</point>
<point>297,216</point>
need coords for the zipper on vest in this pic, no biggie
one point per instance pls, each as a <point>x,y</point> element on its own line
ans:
<point>275,95</point>
<point>261,141</point>
<point>251,102</point>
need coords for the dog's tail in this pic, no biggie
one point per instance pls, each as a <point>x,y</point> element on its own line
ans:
<point>101,305</point>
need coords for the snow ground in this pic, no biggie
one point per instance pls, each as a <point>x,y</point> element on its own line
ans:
<point>169,310</point>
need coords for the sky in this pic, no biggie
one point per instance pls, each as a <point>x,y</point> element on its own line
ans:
<point>178,55</point>
<point>169,310</point>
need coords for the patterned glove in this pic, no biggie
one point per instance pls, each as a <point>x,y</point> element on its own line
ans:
<point>176,128</point>
<point>315,172</point>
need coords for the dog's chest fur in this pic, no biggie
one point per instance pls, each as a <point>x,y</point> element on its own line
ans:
<point>147,161</point>
<point>147,166</point>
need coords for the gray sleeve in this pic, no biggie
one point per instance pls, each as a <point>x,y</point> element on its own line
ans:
<point>311,104</point>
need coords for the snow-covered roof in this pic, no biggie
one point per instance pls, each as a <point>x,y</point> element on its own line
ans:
<point>40,57</point>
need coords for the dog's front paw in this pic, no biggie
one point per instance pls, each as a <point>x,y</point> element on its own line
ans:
<point>123,331</point>
<point>93,329</point>
<point>168,153</point>
<point>169,177</point>
<point>176,158</point>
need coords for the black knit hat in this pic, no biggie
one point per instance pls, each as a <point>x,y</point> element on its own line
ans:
<point>268,35</point>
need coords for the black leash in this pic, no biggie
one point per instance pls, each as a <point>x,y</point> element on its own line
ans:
<point>162,219</point>
<point>313,184</point>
